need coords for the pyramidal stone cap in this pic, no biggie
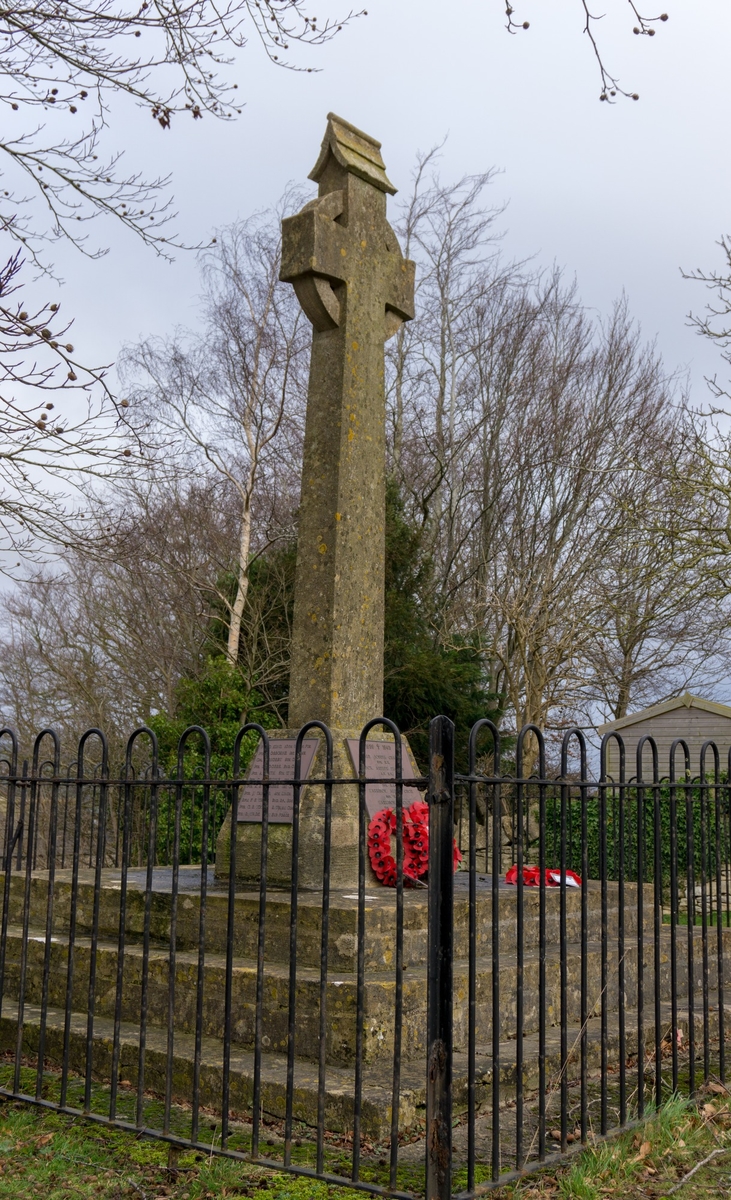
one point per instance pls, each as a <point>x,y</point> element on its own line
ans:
<point>355,151</point>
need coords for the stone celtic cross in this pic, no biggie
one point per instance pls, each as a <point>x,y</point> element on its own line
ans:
<point>356,288</point>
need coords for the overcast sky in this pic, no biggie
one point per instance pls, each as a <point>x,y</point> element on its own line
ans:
<point>622,196</point>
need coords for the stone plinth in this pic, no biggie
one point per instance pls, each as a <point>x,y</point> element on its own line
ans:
<point>344,836</point>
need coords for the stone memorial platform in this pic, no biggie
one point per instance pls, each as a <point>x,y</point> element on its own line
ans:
<point>340,995</point>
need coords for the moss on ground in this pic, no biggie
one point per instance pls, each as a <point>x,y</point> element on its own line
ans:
<point>58,1157</point>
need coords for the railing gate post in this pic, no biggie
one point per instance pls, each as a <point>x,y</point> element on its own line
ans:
<point>439,989</point>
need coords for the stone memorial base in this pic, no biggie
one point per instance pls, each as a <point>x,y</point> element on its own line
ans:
<point>345,808</point>
<point>202,1058</point>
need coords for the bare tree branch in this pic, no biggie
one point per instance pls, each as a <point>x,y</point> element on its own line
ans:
<point>610,86</point>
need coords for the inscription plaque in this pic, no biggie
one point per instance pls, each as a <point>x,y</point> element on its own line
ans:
<point>381,764</point>
<point>281,766</point>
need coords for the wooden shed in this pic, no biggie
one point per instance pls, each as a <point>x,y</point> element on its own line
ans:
<point>688,717</point>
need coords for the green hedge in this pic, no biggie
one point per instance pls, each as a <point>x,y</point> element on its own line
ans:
<point>640,810</point>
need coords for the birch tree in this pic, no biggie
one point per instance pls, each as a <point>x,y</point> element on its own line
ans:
<point>231,401</point>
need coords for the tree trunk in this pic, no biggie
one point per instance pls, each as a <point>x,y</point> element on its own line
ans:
<point>242,585</point>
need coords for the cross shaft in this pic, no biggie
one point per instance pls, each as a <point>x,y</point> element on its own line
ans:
<point>356,288</point>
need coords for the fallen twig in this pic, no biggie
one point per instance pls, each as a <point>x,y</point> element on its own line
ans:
<point>697,1167</point>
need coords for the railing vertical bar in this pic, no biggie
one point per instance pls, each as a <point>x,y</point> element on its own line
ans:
<point>640,943</point>
<point>440,951</point>
<point>621,935</point>
<point>604,999</point>
<point>495,966</point>
<point>230,918</point>
<point>584,1002</point>
<point>360,967</point>
<point>292,992</point>
<point>324,937</point>
<point>563,966</point>
<point>70,962</point>
<point>11,836</point>
<point>690,894</point>
<point>259,1017</point>
<point>703,789</point>
<point>202,914</point>
<point>472,979</point>
<point>542,997</point>
<point>720,965</point>
<point>94,950</point>
<point>145,990</point>
<point>673,816</point>
<point>399,965</point>
<point>51,866</point>
<point>172,961</point>
<point>657,932</point>
<point>519,998</point>
<point>121,939</point>
<point>25,926</point>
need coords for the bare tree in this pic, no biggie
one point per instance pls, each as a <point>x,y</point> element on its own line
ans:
<point>715,322</point>
<point>61,65</point>
<point>664,626</point>
<point>452,233</point>
<point>231,400</point>
<point>57,425</point>
<point>105,640</point>
<point>534,445</point>
<point>643,26</point>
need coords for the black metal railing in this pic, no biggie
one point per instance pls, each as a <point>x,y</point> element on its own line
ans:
<point>249,987</point>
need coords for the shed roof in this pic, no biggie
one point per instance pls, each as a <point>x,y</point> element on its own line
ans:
<point>658,710</point>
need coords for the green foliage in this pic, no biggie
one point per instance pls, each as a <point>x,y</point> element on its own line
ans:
<point>424,678</point>
<point>219,701</point>
<point>266,623</point>
<point>640,810</point>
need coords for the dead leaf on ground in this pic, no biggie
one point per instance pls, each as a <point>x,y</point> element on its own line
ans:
<point>43,1141</point>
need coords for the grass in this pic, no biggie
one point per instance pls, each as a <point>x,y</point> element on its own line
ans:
<point>647,1163</point>
<point>45,1154</point>
<point>711,918</point>
<point>58,1157</point>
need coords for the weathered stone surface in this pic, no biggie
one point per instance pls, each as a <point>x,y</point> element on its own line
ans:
<point>344,261</point>
<point>345,824</point>
<point>340,992</point>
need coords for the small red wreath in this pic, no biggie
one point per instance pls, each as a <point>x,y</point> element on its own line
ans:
<point>381,849</point>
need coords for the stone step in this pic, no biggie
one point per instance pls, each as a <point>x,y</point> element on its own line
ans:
<point>380,924</point>
<point>339,1081</point>
<point>341,993</point>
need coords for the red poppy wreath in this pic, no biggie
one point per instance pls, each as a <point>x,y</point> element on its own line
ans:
<point>382,848</point>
